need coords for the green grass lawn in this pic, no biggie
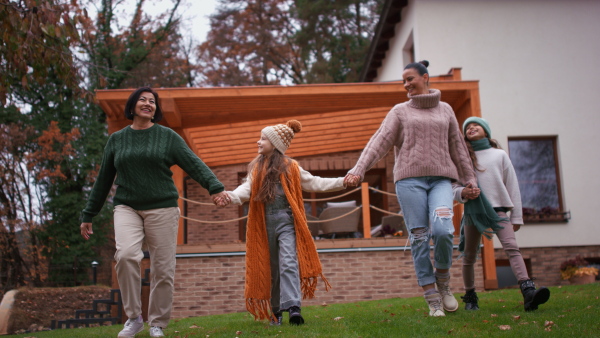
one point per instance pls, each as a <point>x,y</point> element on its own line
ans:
<point>572,311</point>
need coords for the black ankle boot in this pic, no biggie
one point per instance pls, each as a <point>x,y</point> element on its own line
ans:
<point>278,318</point>
<point>295,316</point>
<point>532,297</point>
<point>470,298</point>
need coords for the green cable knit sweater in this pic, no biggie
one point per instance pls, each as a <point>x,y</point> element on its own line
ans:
<point>141,161</point>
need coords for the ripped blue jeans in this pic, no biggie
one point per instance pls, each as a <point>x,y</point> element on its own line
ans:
<point>427,206</point>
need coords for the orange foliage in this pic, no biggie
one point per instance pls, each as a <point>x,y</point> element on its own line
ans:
<point>55,147</point>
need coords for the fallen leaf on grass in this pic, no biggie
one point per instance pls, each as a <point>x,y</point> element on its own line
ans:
<point>238,332</point>
<point>504,327</point>
<point>324,304</point>
<point>450,331</point>
<point>338,318</point>
<point>516,317</point>
<point>523,323</point>
<point>194,326</point>
<point>501,300</point>
<point>561,316</point>
<point>485,321</point>
<point>549,328</point>
<point>494,315</point>
<point>589,307</point>
<point>548,323</point>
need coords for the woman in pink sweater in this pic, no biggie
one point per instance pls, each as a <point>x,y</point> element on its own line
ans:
<point>430,155</point>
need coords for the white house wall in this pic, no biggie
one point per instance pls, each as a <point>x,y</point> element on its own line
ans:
<point>538,63</point>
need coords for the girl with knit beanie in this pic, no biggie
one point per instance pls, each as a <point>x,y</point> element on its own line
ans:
<point>498,183</point>
<point>430,154</point>
<point>282,264</point>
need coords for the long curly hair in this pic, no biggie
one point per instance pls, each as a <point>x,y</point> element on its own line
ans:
<point>268,172</point>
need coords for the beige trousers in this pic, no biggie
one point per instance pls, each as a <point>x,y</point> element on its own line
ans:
<point>158,228</point>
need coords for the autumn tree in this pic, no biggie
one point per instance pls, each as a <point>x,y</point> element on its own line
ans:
<point>21,261</point>
<point>35,39</point>
<point>260,42</point>
<point>107,54</point>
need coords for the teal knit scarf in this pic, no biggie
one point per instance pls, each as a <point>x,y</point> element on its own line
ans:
<point>482,144</point>
<point>479,212</point>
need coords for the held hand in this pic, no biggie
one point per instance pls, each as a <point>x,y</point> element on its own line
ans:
<point>221,199</point>
<point>351,180</point>
<point>516,227</point>
<point>469,192</point>
<point>86,230</point>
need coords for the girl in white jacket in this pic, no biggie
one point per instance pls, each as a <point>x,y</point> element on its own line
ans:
<point>282,264</point>
<point>498,182</point>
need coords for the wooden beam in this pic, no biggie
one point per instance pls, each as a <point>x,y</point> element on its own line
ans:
<point>366,210</point>
<point>490,279</point>
<point>171,113</point>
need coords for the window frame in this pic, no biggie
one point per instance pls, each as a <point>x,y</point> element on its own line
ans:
<point>563,215</point>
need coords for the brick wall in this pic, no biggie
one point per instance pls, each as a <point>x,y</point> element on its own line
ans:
<point>215,285</point>
<point>203,233</point>
<point>545,262</point>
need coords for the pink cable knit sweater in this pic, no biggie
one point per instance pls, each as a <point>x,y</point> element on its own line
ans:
<point>427,139</point>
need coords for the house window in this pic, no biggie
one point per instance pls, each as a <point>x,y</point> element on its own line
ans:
<point>536,163</point>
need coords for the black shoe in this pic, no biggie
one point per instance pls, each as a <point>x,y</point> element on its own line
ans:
<point>470,298</point>
<point>278,317</point>
<point>532,297</point>
<point>295,316</point>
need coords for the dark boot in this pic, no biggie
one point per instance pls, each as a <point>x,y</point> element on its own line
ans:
<point>533,297</point>
<point>470,298</point>
<point>278,318</point>
<point>295,316</point>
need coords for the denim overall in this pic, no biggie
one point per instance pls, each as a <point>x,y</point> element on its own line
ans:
<point>285,277</point>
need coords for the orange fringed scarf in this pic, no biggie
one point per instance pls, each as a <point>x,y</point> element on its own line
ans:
<point>258,269</point>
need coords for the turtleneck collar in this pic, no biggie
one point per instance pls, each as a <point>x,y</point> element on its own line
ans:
<point>425,101</point>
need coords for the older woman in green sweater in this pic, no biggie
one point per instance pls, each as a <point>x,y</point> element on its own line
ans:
<point>146,209</point>
<point>430,154</point>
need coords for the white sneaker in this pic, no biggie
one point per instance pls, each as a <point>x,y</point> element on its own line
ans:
<point>434,301</point>
<point>156,331</point>
<point>449,302</point>
<point>132,327</point>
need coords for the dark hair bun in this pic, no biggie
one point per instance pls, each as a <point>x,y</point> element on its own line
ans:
<point>295,125</point>
<point>424,63</point>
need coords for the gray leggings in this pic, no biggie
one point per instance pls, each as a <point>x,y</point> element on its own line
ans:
<point>507,238</point>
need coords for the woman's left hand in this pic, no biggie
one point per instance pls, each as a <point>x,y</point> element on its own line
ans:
<point>221,199</point>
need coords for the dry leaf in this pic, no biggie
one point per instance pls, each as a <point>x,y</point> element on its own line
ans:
<point>485,321</point>
<point>501,300</point>
<point>494,315</point>
<point>548,323</point>
<point>561,316</point>
<point>338,318</point>
<point>516,317</point>
<point>195,327</point>
<point>324,304</point>
<point>548,329</point>
<point>450,331</point>
<point>504,327</point>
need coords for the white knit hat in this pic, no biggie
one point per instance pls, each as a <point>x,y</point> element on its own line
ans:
<point>281,135</point>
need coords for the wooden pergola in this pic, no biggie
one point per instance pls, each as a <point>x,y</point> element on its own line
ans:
<point>222,125</point>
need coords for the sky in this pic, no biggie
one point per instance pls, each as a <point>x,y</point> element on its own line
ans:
<point>194,14</point>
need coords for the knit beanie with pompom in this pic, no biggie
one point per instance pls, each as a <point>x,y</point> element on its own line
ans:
<point>281,135</point>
